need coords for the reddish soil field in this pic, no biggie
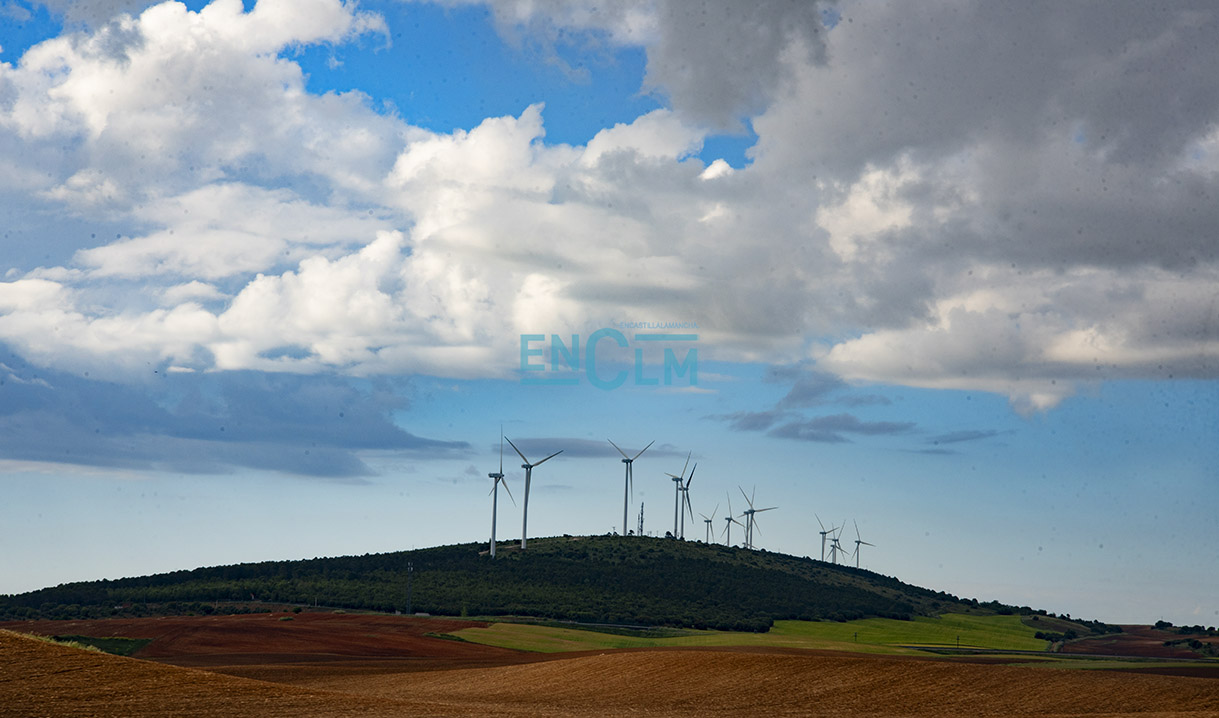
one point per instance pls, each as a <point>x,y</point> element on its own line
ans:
<point>39,679</point>
<point>261,638</point>
<point>1134,641</point>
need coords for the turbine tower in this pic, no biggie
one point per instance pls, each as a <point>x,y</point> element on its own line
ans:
<point>528,467</point>
<point>836,547</point>
<point>677,480</point>
<point>729,520</point>
<point>686,508</point>
<point>629,486</point>
<point>707,520</point>
<point>823,533</point>
<point>497,477</point>
<point>749,514</point>
<point>859,543</point>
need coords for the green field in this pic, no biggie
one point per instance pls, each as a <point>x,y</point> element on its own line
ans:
<point>110,644</point>
<point>872,635</point>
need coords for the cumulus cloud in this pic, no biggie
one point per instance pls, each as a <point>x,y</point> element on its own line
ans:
<point>1011,199</point>
<point>716,62</point>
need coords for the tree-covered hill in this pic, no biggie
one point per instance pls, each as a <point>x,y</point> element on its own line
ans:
<point>597,579</point>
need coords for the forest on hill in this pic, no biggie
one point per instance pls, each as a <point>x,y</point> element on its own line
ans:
<point>639,581</point>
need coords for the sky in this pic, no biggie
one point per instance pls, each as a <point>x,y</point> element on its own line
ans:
<point>945,274</point>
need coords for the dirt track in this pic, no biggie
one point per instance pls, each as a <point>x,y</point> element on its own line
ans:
<point>38,679</point>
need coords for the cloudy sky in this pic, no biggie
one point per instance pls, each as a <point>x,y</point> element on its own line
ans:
<point>274,274</point>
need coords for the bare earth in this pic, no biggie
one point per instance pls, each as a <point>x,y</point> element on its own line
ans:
<point>328,665</point>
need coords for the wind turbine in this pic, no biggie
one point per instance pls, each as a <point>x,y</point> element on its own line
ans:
<point>729,520</point>
<point>707,520</point>
<point>497,477</point>
<point>677,491</point>
<point>749,515</point>
<point>686,507</point>
<point>528,467</point>
<point>859,543</point>
<point>629,483</point>
<point>836,548</point>
<point>823,533</point>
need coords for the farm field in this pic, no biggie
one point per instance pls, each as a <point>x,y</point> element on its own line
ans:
<point>47,679</point>
<point>873,635</point>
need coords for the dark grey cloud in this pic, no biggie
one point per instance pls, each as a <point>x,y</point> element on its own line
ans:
<point>215,423</point>
<point>573,448</point>
<point>956,437</point>
<point>716,61</point>
<point>831,429</point>
<point>752,420</point>
<point>811,389</point>
<point>721,60</point>
<point>94,13</point>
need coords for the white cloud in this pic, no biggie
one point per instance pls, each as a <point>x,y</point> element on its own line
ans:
<point>958,216</point>
<point>160,102</point>
<point>658,134</point>
<point>223,230</point>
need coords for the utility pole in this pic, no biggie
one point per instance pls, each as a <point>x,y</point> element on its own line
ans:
<point>410,569</point>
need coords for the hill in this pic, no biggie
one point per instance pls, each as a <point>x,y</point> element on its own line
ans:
<point>593,579</point>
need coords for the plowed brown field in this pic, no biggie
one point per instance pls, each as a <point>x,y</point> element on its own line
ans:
<point>39,679</point>
<point>1135,641</point>
<point>265,638</point>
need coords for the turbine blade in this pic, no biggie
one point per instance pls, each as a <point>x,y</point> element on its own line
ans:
<point>518,451</point>
<point>691,476</point>
<point>766,509</point>
<point>501,449</point>
<point>548,458</point>
<point>620,451</point>
<point>509,492</point>
<point>671,476</point>
<point>636,456</point>
<point>683,469</point>
<point>747,499</point>
<point>823,531</point>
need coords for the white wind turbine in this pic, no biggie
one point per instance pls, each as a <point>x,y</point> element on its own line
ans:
<point>823,533</point>
<point>749,514</point>
<point>729,520</point>
<point>836,547</point>
<point>629,486</point>
<point>859,543</point>
<point>497,477</point>
<point>685,500</point>
<point>528,467</point>
<point>707,520</point>
<point>677,481</point>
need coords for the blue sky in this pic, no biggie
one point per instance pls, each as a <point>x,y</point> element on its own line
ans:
<point>267,268</point>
